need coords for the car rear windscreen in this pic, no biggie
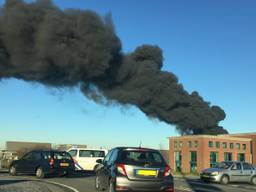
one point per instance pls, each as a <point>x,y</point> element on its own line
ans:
<point>141,158</point>
<point>61,155</point>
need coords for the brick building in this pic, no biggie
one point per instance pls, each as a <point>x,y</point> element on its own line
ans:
<point>194,153</point>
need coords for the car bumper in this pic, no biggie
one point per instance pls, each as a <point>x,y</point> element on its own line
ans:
<point>124,184</point>
<point>59,171</point>
<point>211,178</point>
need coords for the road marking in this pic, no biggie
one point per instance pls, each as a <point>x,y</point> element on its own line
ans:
<point>60,184</point>
<point>47,181</point>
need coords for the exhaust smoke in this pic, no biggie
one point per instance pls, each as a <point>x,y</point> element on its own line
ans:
<point>41,43</point>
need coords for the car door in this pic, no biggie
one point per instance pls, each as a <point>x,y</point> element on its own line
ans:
<point>23,164</point>
<point>247,172</point>
<point>107,171</point>
<point>236,172</point>
<point>101,169</point>
<point>84,157</point>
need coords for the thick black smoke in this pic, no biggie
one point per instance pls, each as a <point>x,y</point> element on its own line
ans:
<point>39,42</point>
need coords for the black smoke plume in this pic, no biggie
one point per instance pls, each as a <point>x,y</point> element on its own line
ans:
<point>41,43</point>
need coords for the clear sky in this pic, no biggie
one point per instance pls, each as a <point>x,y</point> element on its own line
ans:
<point>210,45</point>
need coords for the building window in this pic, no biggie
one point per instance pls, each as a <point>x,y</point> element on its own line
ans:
<point>178,160</point>
<point>175,144</point>
<point>189,144</point>
<point>224,145</point>
<point>244,146</point>
<point>237,145</point>
<point>181,144</point>
<point>240,157</point>
<point>196,143</point>
<point>193,161</point>
<point>228,157</point>
<point>213,159</point>
<point>210,144</point>
<point>231,145</point>
<point>217,144</point>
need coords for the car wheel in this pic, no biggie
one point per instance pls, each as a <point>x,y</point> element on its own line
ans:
<point>224,180</point>
<point>111,187</point>
<point>13,170</point>
<point>95,168</point>
<point>40,173</point>
<point>254,180</point>
<point>97,183</point>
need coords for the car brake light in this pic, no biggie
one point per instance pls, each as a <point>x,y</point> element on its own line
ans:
<point>121,169</point>
<point>51,162</point>
<point>169,189</point>
<point>75,161</point>
<point>167,171</point>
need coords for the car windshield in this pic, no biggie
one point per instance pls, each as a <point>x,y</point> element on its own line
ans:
<point>142,158</point>
<point>223,165</point>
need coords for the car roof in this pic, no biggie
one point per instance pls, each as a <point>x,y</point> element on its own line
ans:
<point>89,149</point>
<point>47,150</point>
<point>135,148</point>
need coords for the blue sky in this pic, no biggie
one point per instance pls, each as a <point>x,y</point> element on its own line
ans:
<point>209,45</point>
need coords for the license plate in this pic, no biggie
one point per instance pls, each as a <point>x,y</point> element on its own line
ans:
<point>146,172</point>
<point>64,164</point>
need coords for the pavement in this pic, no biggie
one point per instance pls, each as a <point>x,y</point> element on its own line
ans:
<point>84,182</point>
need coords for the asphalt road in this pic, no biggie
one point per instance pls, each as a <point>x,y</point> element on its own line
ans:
<point>84,182</point>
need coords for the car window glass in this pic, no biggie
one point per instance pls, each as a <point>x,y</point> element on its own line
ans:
<point>106,159</point>
<point>99,154</point>
<point>61,155</point>
<point>85,153</point>
<point>246,166</point>
<point>238,166</point>
<point>47,155</point>
<point>28,156</point>
<point>113,156</point>
<point>36,155</point>
<point>141,158</point>
<point>73,153</point>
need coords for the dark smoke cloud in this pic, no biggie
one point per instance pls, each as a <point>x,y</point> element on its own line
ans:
<point>39,42</point>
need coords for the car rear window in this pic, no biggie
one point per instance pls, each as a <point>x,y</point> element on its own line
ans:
<point>73,153</point>
<point>61,155</point>
<point>141,158</point>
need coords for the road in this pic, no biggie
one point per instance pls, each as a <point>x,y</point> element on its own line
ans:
<point>85,183</point>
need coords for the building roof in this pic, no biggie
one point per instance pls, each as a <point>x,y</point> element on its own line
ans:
<point>227,137</point>
<point>241,134</point>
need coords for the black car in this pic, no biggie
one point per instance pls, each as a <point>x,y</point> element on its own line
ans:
<point>43,163</point>
<point>133,169</point>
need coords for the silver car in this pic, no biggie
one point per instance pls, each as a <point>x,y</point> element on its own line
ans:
<point>231,171</point>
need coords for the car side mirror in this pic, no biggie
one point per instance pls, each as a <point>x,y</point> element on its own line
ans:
<point>99,161</point>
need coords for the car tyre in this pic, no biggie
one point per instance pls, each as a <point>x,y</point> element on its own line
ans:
<point>95,168</point>
<point>253,180</point>
<point>97,183</point>
<point>40,173</point>
<point>224,180</point>
<point>13,171</point>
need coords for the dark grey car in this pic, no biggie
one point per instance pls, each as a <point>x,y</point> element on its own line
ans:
<point>43,163</point>
<point>133,169</point>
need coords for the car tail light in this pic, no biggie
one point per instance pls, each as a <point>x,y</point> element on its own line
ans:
<point>75,161</point>
<point>51,162</point>
<point>167,171</point>
<point>169,189</point>
<point>121,169</point>
<point>119,188</point>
